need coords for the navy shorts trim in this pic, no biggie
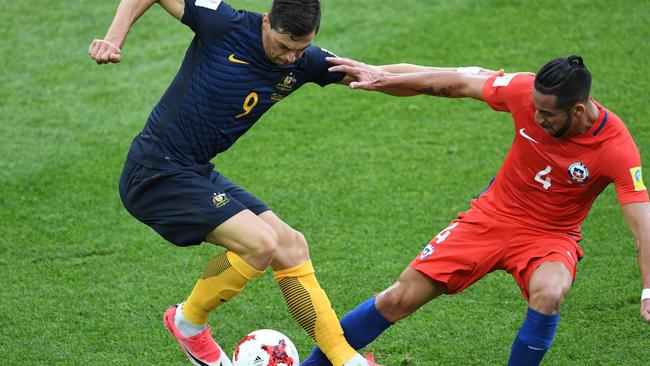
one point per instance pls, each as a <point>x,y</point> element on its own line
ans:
<point>183,204</point>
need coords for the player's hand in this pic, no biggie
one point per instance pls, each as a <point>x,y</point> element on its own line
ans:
<point>645,310</point>
<point>103,52</point>
<point>364,76</point>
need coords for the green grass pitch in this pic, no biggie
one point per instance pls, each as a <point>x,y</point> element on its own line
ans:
<point>368,178</point>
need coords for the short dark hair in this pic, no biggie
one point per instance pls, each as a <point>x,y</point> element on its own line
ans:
<point>297,18</point>
<point>567,78</point>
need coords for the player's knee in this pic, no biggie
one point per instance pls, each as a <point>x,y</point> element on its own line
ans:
<point>547,298</point>
<point>299,246</point>
<point>393,303</point>
<point>265,245</point>
<point>292,249</point>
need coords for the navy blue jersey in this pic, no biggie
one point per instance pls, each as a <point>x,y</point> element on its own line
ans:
<point>224,85</point>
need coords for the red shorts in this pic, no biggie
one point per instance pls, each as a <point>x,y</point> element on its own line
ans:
<point>475,245</point>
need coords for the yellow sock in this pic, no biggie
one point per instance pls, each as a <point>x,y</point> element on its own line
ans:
<point>311,308</point>
<point>224,277</point>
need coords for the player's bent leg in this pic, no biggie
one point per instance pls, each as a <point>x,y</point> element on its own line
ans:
<point>547,287</point>
<point>306,300</point>
<point>251,245</point>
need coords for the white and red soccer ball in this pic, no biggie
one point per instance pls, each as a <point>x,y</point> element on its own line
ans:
<point>265,347</point>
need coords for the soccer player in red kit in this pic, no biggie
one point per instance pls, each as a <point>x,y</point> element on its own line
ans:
<point>567,149</point>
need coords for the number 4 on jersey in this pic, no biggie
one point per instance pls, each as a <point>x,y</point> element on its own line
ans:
<point>445,233</point>
<point>546,182</point>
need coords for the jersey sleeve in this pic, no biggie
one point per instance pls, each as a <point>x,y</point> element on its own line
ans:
<point>625,171</point>
<point>318,66</point>
<point>209,19</point>
<point>508,93</point>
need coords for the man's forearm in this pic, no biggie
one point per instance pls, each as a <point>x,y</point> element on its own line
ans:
<point>442,82</point>
<point>438,83</point>
<point>410,68</point>
<point>637,216</point>
<point>643,257</point>
<point>127,13</point>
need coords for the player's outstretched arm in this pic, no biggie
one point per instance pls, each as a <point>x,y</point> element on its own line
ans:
<point>443,83</point>
<point>108,49</point>
<point>410,68</point>
<point>637,216</point>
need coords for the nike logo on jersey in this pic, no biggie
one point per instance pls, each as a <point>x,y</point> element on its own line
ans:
<point>232,58</point>
<point>523,134</point>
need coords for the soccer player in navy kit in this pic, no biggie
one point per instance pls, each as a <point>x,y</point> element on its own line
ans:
<point>238,65</point>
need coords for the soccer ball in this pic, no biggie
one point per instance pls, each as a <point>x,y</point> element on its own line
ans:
<point>265,347</point>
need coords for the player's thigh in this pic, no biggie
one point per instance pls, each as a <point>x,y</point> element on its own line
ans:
<point>464,252</point>
<point>245,233</point>
<point>541,261</point>
<point>248,236</point>
<point>181,204</point>
<point>292,246</point>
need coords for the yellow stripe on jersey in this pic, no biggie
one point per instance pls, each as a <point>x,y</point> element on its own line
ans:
<point>637,178</point>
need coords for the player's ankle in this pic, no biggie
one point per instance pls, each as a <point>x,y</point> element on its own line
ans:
<point>186,327</point>
<point>356,360</point>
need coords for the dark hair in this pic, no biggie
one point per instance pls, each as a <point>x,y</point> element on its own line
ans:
<point>297,18</point>
<point>567,78</point>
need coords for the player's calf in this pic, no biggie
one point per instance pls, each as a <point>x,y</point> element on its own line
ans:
<point>533,339</point>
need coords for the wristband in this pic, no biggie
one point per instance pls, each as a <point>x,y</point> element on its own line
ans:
<point>645,294</point>
<point>472,70</point>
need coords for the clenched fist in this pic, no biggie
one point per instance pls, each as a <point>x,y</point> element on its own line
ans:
<point>103,51</point>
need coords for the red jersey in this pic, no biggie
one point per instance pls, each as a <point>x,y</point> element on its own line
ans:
<point>550,183</point>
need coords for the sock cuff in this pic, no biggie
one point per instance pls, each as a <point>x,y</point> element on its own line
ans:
<point>374,315</point>
<point>377,318</point>
<point>541,318</point>
<point>241,266</point>
<point>301,270</point>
